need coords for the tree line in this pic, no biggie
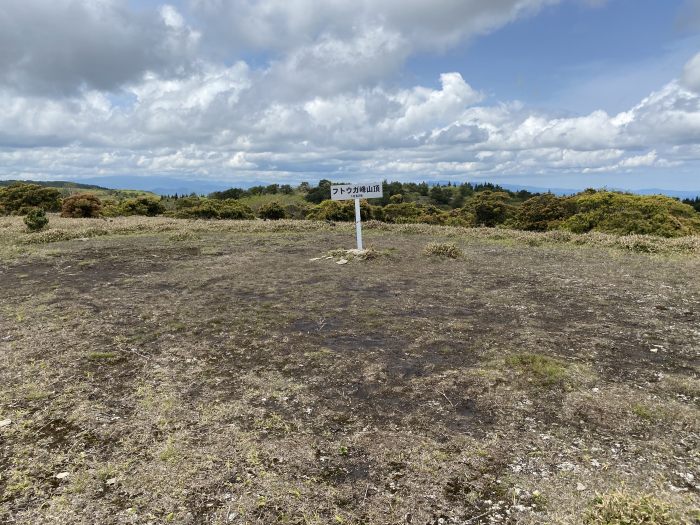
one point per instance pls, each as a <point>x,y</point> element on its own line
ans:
<point>465,205</point>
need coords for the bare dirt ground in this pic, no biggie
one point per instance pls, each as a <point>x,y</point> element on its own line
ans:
<point>162,371</point>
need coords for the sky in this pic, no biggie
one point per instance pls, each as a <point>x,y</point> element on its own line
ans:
<point>549,93</point>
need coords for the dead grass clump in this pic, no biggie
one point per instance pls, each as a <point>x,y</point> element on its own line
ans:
<point>622,508</point>
<point>353,255</point>
<point>447,250</point>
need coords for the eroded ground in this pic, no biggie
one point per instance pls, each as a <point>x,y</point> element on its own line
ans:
<point>223,377</point>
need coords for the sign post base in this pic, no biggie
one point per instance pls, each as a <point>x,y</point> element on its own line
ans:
<point>358,224</point>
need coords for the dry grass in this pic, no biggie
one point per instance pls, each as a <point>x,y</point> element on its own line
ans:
<point>197,372</point>
<point>448,250</point>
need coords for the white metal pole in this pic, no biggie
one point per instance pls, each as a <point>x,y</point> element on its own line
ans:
<point>358,224</point>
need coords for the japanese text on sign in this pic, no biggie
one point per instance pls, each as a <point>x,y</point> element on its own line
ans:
<point>341,192</point>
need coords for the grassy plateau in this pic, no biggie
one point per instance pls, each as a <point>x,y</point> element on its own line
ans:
<point>157,370</point>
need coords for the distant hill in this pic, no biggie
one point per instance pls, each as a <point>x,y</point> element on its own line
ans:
<point>56,184</point>
<point>68,188</point>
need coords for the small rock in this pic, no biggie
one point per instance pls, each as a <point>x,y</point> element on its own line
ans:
<point>5,422</point>
<point>580,487</point>
<point>62,475</point>
<point>342,261</point>
<point>315,259</point>
<point>111,481</point>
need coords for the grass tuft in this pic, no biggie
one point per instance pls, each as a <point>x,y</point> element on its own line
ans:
<point>543,369</point>
<point>448,250</point>
<point>622,508</point>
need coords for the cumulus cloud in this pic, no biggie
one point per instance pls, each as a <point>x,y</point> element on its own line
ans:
<point>58,46</point>
<point>691,74</point>
<point>283,24</point>
<point>110,90</point>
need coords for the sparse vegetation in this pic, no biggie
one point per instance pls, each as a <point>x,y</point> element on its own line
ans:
<point>210,372</point>
<point>622,508</point>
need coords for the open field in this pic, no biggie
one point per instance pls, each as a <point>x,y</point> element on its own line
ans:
<point>165,371</point>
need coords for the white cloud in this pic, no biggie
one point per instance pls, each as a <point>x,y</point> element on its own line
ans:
<point>57,47</point>
<point>691,74</point>
<point>321,104</point>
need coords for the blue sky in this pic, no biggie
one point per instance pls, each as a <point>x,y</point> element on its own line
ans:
<point>554,93</point>
<point>566,55</point>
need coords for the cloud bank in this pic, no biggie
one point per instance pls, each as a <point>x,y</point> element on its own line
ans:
<point>288,90</point>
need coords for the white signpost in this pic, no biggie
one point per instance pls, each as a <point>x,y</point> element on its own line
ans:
<point>362,190</point>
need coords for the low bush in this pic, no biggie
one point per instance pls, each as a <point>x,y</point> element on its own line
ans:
<point>215,209</point>
<point>447,250</point>
<point>36,220</point>
<point>339,211</point>
<point>543,212</point>
<point>148,206</point>
<point>82,205</point>
<point>489,208</point>
<point>272,211</point>
<point>625,214</point>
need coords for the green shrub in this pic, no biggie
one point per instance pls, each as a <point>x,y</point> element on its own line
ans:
<point>403,213</point>
<point>213,209</point>
<point>81,205</point>
<point>148,206</point>
<point>621,508</point>
<point>20,198</point>
<point>234,210</point>
<point>625,214</point>
<point>489,208</point>
<point>297,210</point>
<point>542,212</point>
<point>339,211</point>
<point>272,211</point>
<point>36,220</point>
<point>443,249</point>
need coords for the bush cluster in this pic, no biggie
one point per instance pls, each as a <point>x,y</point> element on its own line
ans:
<point>143,205</point>
<point>465,205</point>
<point>199,208</point>
<point>20,199</point>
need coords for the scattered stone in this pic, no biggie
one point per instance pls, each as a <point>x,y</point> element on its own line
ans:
<point>580,487</point>
<point>5,422</point>
<point>342,261</point>
<point>111,481</point>
<point>62,475</point>
<point>316,259</point>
